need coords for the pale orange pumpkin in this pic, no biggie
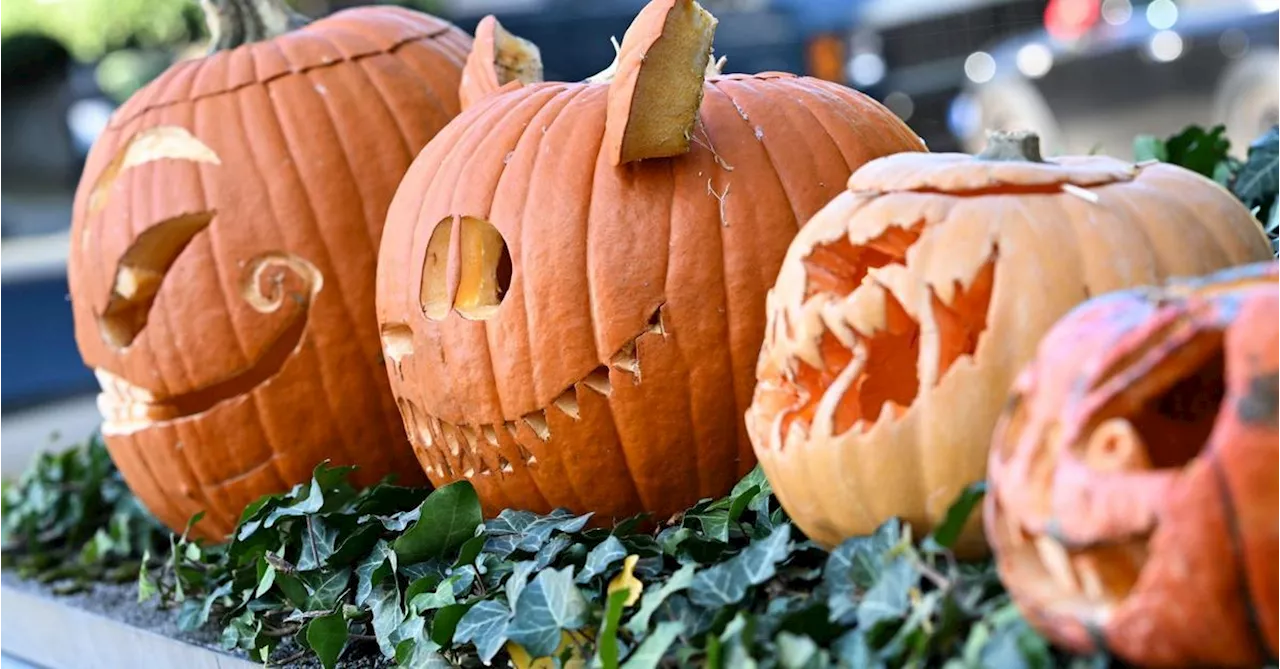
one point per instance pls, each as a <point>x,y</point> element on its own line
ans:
<point>905,307</point>
<point>1134,485</point>
<point>223,253</point>
<point>568,326</point>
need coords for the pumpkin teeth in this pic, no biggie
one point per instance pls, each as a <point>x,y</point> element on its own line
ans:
<point>490,434</point>
<point>568,403</point>
<point>537,421</point>
<point>598,380</point>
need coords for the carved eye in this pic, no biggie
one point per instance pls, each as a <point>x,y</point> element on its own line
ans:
<point>145,263</point>
<point>467,269</point>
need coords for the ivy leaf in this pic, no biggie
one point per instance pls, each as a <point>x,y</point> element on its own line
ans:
<point>680,580</point>
<point>727,583</point>
<point>485,625</point>
<point>369,571</point>
<point>795,651</point>
<point>441,597</point>
<point>327,636</point>
<point>446,520</point>
<point>525,531</point>
<point>603,556</point>
<point>551,550</point>
<point>889,600</point>
<point>551,604</point>
<point>420,653</point>
<point>470,550</point>
<point>324,588</point>
<point>445,622</point>
<point>650,653</point>
<point>854,565</point>
<point>1258,180</point>
<point>384,604</point>
<point>318,539</point>
<point>516,583</point>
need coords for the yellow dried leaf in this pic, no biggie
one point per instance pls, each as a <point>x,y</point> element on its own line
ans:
<point>628,581</point>
<point>520,658</point>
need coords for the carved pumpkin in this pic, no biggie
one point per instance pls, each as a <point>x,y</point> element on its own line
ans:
<point>224,248</point>
<point>1133,475</point>
<point>564,331</point>
<point>906,306</point>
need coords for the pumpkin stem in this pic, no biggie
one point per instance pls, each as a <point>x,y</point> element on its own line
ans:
<point>1016,145</point>
<point>656,85</point>
<point>234,23</point>
<point>498,60</point>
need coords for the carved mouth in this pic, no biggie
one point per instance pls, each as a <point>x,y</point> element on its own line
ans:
<point>128,408</point>
<point>461,441</point>
<point>876,341</point>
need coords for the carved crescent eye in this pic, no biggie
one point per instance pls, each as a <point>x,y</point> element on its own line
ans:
<point>467,269</point>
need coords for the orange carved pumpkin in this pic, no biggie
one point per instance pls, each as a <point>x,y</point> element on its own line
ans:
<point>567,331</point>
<point>224,249</point>
<point>1133,476</point>
<point>905,308</point>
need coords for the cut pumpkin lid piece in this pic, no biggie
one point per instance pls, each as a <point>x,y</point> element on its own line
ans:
<point>1011,162</point>
<point>498,60</point>
<point>656,88</point>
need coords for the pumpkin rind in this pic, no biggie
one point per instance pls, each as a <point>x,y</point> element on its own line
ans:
<point>614,374</point>
<point>1133,476</point>
<point>249,353</point>
<point>945,270</point>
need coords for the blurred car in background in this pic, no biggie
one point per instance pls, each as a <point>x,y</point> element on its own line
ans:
<point>1100,72</point>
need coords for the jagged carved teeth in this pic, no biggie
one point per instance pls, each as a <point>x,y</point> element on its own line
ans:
<point>126,407</point>
<point>442,433</point>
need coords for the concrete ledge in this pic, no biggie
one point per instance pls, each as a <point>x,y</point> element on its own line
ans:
<point>52,632</point>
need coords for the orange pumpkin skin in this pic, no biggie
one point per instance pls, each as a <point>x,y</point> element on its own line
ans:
<point>905,308</point>
<point>222,269</point>
<point>614,374</point>
<point>1133,476</point>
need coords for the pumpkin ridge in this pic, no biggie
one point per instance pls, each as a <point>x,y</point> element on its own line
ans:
<point>591,313</point>
<point>437,101</point>
<point>1244,593</point>
<point>132,112</point>
<point>1212,231</point>
<point>773,165</point>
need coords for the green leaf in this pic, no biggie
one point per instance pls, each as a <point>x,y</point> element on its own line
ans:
<point>1258,180</point>
<point>1149,147</point>
<point>516,583</point>
<point>441,597</point>
<point>652,599</point>
<point>324,588</point>
<point>607,651</point>
<point>550,604</point>
<point>266,577</point>
<point>327,636</point>
<point>551,550</point>
<point>146,585</point>
<point>445,622</point>
<point>608,553</point>
<point>378,564</point>
<point>446,520</point>
<point>318,539</point>
<point>650,653</point>
<point>795,651</point>
<point>470,550</point>
<point>1199,150</point>
<point>384,604</point>
<point>527,532</point>
<point>420,653</point>
<point>958,514</point>
<point>854,566</point>
<point>889,600</point>
<point>485,625</point>
<point>727,583</point>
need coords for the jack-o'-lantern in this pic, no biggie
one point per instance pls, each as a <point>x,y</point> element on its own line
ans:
<point>1134,485</point>
<point>571,283</point>
<point>905,308</point>
<point>224,246</point>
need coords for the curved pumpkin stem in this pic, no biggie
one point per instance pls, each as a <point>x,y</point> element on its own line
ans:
<point>1015,145</point>
<point>656,88</point>
<point>498,61</point>
<point>234,23</point>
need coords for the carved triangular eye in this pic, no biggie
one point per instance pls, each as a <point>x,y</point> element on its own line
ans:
<point>467,269</point>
